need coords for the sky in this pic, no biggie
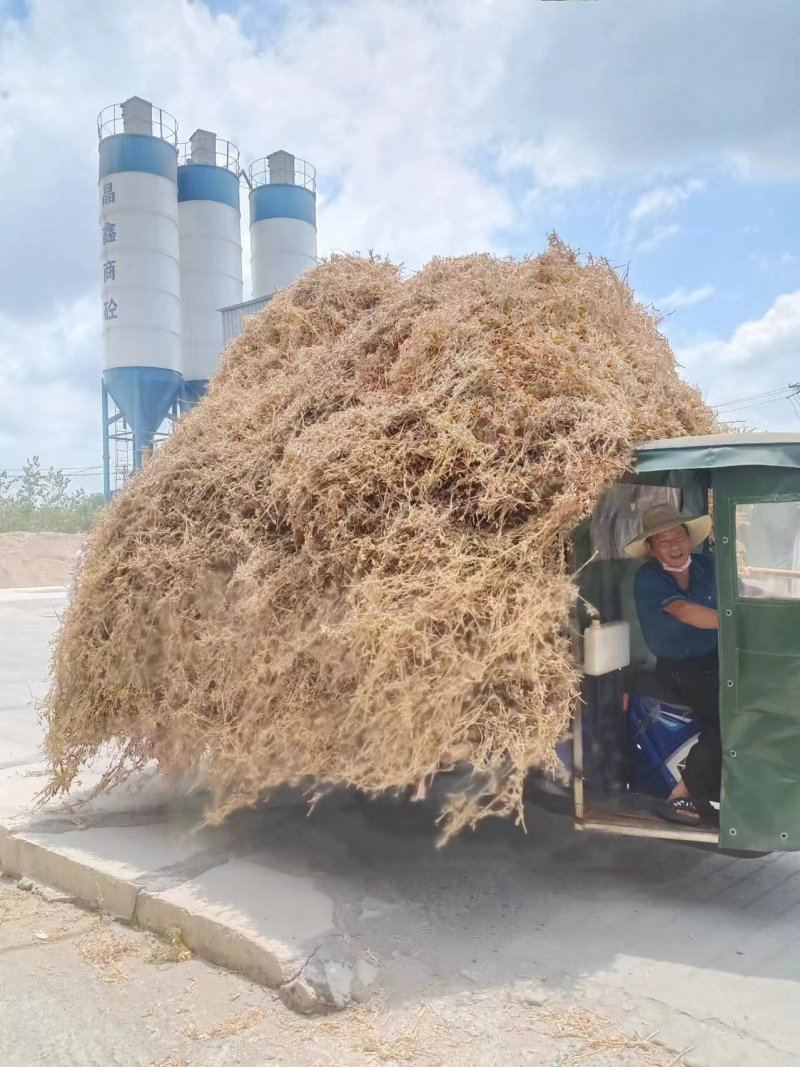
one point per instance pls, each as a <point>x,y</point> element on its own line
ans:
<point>663,136</point>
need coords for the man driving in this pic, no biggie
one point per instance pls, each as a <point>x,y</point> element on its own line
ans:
<point>676,602</point>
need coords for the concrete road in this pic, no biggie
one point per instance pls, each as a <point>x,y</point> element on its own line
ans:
<point>500,949</point>
<point>79,992</point>
<point>29,619</point>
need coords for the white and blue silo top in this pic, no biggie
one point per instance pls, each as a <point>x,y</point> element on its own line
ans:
<point>131,141</point>
<point>203,177</point>
<point>283,221</point>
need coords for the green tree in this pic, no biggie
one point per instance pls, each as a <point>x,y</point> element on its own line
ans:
<point>41,500</point>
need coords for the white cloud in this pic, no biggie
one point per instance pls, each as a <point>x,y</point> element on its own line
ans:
<point>760,355</point>
<point>681,298</point>
<point>658,236</point>
<point>775,335</point>
<point>50,403</point>
<point>665,199</point>
<point>668,92</point>
<point>555,160</point>
<point>648,227</point>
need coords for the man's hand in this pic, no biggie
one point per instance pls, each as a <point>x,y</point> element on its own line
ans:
<point>693,614</point>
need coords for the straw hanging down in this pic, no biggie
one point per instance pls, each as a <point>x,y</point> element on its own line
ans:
<point>351,556</point>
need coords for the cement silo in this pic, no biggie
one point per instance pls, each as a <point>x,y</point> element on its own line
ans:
<point>283,221</point>
<point>141,284</point>
<point>210,252</point>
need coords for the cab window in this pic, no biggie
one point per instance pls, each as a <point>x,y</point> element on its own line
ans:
<point>768,550</point>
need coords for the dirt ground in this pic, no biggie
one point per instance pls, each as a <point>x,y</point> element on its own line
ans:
<point>31,559</point>
<point>79,989</point>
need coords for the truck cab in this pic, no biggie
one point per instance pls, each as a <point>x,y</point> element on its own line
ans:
<point>630,736</point>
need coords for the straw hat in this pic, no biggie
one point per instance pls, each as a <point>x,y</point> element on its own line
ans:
<point>662,517</point>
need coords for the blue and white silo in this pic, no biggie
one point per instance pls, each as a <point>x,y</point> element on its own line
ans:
<point>210,252</point>
<point>141,280</point>
<point>283,221</point>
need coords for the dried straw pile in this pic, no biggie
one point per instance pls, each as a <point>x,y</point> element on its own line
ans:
<point>351,556</point>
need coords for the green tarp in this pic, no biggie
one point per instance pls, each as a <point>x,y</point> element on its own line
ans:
<point>729,450</point>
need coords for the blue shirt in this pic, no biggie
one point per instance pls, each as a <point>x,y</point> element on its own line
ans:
<point>666,636</point>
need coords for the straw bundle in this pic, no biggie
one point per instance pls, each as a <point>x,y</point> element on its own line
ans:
<point>351,556</point>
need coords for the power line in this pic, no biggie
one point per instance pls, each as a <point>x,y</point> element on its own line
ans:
<point>777,394</point>
<point>754,404</point>
<point>755,396</point>
<point>789,393</point>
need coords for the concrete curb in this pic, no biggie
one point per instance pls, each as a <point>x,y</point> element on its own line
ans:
<point>233,908</point>
<point>23,857</point>
<point>270,963</point>
<point>33,592</point>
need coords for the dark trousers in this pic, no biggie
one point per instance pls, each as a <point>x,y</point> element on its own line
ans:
<point>696,683</point>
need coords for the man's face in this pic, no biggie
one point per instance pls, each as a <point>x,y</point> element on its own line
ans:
<point>672,547</point>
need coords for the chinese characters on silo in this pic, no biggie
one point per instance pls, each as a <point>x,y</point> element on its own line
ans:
<point>109,232</point>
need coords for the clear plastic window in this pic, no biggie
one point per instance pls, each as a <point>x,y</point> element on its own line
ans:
<point>617,519</point>
<point>768,549</point>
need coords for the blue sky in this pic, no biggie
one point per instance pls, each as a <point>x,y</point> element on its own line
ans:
<point>663,136</point>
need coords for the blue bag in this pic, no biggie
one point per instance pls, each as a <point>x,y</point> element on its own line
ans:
<point>659,736</point>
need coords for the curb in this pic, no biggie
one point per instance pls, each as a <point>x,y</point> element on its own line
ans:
<point>23,857</point>
<point>226,907</point>
<point>271,964</point>
<point>32,592</point>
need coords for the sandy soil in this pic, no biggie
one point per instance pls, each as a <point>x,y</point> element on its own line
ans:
<point>30,559</point>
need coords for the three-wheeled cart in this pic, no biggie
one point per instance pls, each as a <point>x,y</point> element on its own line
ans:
<point>630,736</point>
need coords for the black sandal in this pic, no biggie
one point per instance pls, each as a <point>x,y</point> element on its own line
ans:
<point>686,811</point>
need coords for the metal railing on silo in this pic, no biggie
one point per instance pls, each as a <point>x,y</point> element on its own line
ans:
<point>112,121</point>
<point>225,155</point>
<point>297,172</point>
